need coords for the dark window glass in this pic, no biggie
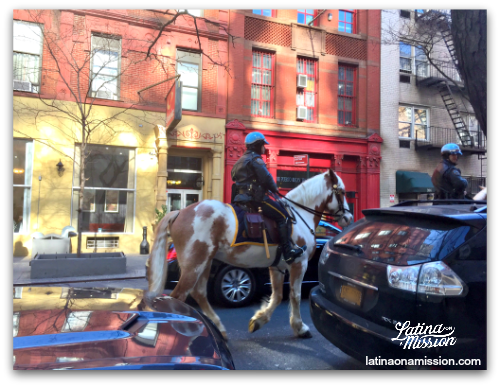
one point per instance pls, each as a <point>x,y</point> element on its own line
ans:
<point>107,167</point>
<point>412,240</point>
<point>180,162</point>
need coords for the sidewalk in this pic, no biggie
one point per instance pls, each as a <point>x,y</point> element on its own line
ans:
<point>135,269</point>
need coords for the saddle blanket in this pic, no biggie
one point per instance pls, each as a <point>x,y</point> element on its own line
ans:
<point>240,236</point>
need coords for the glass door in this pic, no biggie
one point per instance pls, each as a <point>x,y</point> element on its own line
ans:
<point>178,199</point>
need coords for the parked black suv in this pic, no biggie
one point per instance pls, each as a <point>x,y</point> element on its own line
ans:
<point>405,287</point>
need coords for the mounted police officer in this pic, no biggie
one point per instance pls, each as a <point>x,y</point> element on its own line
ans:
<point>447,178</point>
<point>252,181</point>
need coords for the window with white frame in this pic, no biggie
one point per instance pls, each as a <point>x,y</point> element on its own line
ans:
<point>23,161</point>
<point>27,47</point>
<point>106,54</point>
<point>474,129</point>
<point>189,68</point>
<point>76,321</point>
<point>412,60</point>
<point>109,193</point>
<point>413,122</point>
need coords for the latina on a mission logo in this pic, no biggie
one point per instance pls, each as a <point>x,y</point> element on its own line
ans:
<point>424,336</point>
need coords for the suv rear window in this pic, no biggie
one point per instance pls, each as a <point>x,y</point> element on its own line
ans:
<point>405,241</point>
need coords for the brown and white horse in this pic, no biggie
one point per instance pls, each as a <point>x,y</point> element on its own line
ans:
<point>205,231</point>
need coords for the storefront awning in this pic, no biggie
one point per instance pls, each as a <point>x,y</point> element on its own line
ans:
<point>413,182</point>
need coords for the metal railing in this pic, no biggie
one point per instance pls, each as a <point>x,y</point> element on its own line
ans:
<point>437,137</point>
<point>426,71</point>
<point>474,183</point>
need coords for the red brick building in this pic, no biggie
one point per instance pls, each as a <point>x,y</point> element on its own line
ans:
<point>310,89</point>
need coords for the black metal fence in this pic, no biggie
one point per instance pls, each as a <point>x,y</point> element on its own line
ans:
<point>437,137</point>
<point>426,70</point>
<point>474,183</point>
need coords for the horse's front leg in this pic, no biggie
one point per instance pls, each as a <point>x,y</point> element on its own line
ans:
<point>263,315</point>
<point>297,271</point>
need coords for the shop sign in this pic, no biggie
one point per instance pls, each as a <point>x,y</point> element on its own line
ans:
<point>300,160</point>
<point>174,106</point>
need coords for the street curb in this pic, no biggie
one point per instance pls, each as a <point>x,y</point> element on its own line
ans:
<point>73,279</point>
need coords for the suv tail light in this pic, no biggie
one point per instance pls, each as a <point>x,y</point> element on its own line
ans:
<point>434,278</point>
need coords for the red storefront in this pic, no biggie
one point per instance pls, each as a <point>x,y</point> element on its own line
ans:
<point>355,160</point>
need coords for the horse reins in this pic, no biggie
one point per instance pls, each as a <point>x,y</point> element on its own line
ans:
<point>335,217</point>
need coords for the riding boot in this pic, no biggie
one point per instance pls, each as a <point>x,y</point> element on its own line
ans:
<point>289,253</point>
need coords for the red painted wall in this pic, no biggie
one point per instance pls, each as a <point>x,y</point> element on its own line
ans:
<point>352,151</point>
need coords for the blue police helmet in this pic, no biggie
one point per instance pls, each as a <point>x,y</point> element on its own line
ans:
<point>253,137</point>
<point>450,149</point>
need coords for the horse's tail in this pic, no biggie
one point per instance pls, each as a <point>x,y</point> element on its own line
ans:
<point>156,266</point>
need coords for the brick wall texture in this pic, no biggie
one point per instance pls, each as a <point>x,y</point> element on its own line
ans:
<point>133,27</point>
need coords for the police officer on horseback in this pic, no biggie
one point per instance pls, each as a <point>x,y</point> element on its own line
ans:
<point>447,178</point>
<point>252,181</point>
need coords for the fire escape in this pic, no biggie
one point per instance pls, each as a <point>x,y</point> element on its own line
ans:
<point>471,142</point>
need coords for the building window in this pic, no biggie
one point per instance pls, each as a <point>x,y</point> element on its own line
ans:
<point>23,161</point>
<point>189,66</point>
<point>474,130</point>
<point>76,321</point>
<point>413,122</point>
<point>308,96</point>
<point>265,12</point>
<point>262,84</point>
<point>109,193</point>
<point>27,48</point>
<point>304,16</point>
<point>106,54</point>
<point>347,96</point>
<point>412,60</point>
<point>193,12</point>
<point>347,20</point>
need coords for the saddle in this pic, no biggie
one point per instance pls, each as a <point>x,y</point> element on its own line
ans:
<point>250,227</point>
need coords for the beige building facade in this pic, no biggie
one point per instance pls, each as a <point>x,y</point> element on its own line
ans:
<point>414,121</point>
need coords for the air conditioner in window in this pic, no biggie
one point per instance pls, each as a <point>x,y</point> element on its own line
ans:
<point>301,112</point>
<point>23,86</point>
<point>301,80</point>
<point>104,94</point>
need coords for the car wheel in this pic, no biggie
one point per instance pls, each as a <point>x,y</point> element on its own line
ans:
<point>234,286</point>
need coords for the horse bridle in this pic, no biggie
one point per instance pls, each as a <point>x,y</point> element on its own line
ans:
<point>337,191</point>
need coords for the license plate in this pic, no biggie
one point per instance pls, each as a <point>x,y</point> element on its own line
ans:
<point>350,294</point>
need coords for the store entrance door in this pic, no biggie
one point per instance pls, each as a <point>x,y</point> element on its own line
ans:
<point>177,199</point>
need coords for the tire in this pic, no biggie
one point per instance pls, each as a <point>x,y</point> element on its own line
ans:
<point>234,286</point>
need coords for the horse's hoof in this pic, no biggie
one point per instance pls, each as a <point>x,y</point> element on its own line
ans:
<point>306,335</point>
<point>253,326</point>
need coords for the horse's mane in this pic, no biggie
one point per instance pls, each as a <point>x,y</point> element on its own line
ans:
<point>308,190</point>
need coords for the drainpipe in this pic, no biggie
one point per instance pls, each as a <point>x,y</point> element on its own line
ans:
<point>319,14</point>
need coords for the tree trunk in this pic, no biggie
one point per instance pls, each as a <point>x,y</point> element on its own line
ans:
<point>80,197</point>
<point>469,37</point>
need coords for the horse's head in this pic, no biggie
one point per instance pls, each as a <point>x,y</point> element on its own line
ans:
<point>337,205</point>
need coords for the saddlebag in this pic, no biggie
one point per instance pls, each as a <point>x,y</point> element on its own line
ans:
<point>253,225</point>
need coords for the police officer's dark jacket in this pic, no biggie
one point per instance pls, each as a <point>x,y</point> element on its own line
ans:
<point>448,181</point>
<point>252,178</point>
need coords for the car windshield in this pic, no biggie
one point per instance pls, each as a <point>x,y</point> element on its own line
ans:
<point>404,240</point>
